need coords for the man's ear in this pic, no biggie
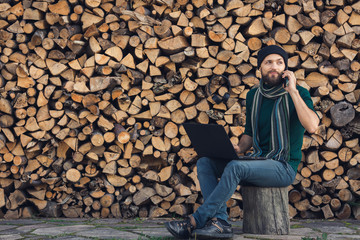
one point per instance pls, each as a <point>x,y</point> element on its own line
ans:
<point>258,73</point>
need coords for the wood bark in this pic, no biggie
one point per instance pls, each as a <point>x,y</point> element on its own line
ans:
<point>263,215</point>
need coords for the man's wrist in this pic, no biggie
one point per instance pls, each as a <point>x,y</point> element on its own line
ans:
<point>294,92</point>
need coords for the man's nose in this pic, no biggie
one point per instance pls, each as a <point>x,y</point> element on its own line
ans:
<point>274,65</point>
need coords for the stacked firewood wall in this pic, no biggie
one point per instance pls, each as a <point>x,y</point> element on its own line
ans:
<point>94,94</point>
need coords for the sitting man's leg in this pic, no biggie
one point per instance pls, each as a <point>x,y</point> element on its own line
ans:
<point>264,173</point>
<point>208,173</point>
<point>206,168</point>
<point>268,173</point>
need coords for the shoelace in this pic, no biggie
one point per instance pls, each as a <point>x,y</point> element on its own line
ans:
<point>214,222</point>
<point>187,224</point>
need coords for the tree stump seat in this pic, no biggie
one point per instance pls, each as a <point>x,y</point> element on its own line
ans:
<point>266,210</point>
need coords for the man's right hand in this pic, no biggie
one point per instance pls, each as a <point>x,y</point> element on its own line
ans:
<point>245,144</point>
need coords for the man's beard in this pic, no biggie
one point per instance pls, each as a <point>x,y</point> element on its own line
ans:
<point>272,80</point>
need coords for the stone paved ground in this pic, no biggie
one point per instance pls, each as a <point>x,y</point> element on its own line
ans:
<point>146,229</point>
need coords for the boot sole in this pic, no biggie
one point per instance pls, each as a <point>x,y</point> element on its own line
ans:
<point>213,236</point>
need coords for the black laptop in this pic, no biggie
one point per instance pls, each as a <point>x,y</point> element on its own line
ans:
<point>211,140</point>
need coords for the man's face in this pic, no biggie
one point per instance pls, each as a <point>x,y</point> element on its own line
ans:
<point>272,68</point>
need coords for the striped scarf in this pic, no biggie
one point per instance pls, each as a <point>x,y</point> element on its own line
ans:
<point>280,122</point>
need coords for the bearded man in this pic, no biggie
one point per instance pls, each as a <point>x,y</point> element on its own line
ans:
<point>277,114</point>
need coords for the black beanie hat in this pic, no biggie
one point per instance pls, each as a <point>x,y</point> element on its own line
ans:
<point>272,49</point>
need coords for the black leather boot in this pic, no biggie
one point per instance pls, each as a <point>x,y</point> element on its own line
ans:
<point>214,229</point>
<point>180,229</point>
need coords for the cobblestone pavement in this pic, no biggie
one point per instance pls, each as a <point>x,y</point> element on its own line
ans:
<point>141,229</point>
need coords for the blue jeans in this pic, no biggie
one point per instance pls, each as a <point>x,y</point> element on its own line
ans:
<point>262,173</point>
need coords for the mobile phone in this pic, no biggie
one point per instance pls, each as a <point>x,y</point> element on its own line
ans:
<point>286,81</point>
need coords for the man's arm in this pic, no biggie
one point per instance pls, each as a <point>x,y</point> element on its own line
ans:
<point>245,144</point>
<point>308,118</point>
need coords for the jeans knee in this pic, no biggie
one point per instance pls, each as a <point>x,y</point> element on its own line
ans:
<point>234,167</point>
<point>233,164</point>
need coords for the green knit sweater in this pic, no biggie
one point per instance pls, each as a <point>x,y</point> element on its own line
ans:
<point>296,129</point>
